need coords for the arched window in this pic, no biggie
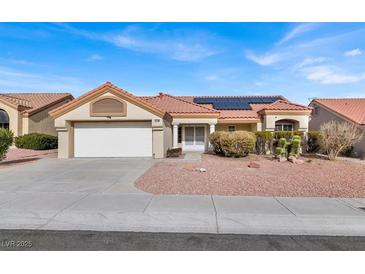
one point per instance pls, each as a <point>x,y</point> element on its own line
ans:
<point>4,119</point>
<point>108,106</point>
<point>286,125</point>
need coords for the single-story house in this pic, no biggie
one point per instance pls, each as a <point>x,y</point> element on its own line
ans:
<point>343,110</point>
<point>111,122</point>
<point>25,113</point>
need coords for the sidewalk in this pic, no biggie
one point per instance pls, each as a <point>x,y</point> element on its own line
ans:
<point>177,213</point>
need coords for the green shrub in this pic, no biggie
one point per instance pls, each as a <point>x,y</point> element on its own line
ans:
<point>313,141</point>
<point>233,144</point>
<point>287,134</point>
<point>348,152</point>
<point>6,140</point>
<point>215,140</point>
<point>173,152</point>
<point>36,141</point>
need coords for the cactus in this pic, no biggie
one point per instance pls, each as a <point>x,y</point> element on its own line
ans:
<point>287,148</point>
<point>295,146</point>
<point>281,149</point>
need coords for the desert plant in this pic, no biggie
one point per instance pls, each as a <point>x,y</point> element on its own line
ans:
<point>233,144</point>
<point>287,134</point>
<point>6,140</point>
<point>36,141</point>
<point>287,148</point>
<point>313,145</point>
<point>215,140</point>
<point>264,142</point>
<point>338,136</point>
<point>295,146</point>
<point>282,148</point>
<point>173,152</point>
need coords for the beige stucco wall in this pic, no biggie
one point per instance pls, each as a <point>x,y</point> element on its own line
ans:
<point>64,142</point>
<point>42,122</point>
<point>134,113</point>
<point>269,121</point>
<point>15,120</point>
<point>245,127</point>
<point>324,116</point>
<point>167,130</point>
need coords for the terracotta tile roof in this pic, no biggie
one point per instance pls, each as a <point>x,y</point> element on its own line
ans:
<point>31,103</point>
<point>285,105</point>
<point>351,108</point>
<point>191,98</point>
<point>176,105</point>
<point>250,114</point>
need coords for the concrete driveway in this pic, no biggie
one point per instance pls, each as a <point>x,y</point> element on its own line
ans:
<point>98,194</point>
<point>33,194</point>
<point>75,176</point>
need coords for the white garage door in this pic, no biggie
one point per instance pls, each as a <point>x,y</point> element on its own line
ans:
<point>114,139</point>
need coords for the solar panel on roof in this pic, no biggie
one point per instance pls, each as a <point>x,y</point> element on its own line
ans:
<point>234,103</point>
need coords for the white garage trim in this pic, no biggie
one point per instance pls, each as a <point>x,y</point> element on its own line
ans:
<point>112,139</point>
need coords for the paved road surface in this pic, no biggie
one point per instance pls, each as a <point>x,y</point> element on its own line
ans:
<point>96,240</point>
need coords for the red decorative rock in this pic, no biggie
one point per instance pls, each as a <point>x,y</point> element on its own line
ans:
<point>254,165</point>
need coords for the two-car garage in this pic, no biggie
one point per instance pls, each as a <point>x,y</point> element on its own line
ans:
<point>113,139</point>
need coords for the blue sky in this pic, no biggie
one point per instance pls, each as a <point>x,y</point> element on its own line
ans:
<point>297,60</point>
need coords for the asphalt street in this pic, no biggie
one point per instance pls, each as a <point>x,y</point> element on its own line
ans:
<point>33,240</point>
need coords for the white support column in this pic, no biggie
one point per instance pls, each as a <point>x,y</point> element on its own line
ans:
<point>211,128</point>
<point>175,131</point>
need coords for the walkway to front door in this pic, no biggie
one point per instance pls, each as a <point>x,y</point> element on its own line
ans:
<point>194,138</point>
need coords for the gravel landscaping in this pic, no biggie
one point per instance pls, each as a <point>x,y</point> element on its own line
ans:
<point>232,176</point>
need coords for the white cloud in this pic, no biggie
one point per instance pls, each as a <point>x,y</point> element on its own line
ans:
<point>264,60</point>
<point>94,57</point>
<point>191,46</point>
<point>179,49</point>
<point>295,32</point>
<point>309,61</point>
<point>211,77</point>
<point>331,75</point>
<point>354,52</point>
<point>15,80</point>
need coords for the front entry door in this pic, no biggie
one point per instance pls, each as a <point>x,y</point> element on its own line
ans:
<point>194,138</point>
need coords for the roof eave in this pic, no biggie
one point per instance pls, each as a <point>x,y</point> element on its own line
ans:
<point>281,111</point>
<point>193,115</point>
<point>31,112</point>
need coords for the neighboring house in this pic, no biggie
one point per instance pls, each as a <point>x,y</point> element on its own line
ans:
<point>25,113</point>
<point>111,122</point>
<point>348,109</point>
